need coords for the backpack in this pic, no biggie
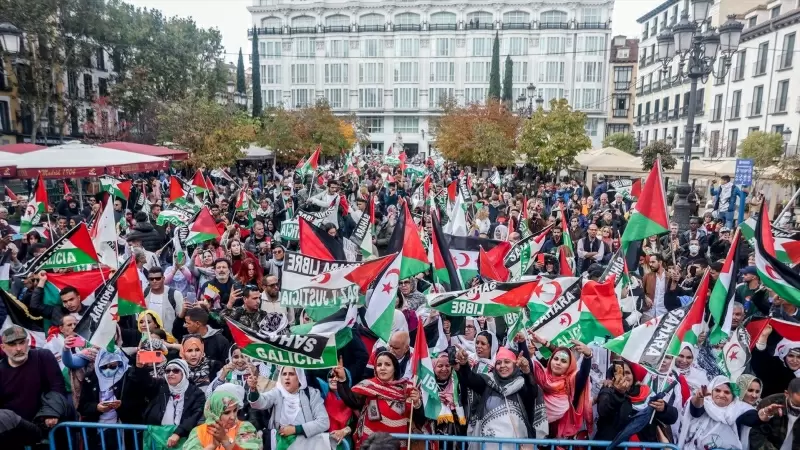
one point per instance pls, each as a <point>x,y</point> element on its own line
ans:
<point>170,296</point>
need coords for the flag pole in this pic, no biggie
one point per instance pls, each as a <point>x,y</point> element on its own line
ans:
<point>411,414</point>
<point>147,327</point>
<point>788,205</point>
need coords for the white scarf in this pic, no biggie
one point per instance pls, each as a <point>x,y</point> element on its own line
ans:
<point>716,428</point>
<point>176,400</point>
<point>291,401</point>
<point>725,192</point>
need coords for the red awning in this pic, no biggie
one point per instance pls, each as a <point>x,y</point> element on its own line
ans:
<point>20,148</point>
<point>151,150</point>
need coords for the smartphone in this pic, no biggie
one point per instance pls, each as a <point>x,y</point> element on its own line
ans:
<point>16,237</point>
<point>150,357</point>
<point>540,258</point>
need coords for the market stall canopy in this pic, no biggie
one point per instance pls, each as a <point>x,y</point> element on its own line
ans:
<point>20,149</point>
<point>608,158</point>
<point>82,160</point>
<point>150,150</point>
<point>255,152</point>
<point>8,166</point>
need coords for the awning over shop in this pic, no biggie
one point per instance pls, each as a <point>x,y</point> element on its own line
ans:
<point>255,152</point>
<point>19,149</point>
<point>150,150</point>
<point>82,160</point>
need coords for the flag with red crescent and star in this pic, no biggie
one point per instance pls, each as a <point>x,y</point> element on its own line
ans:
<point>774,274</point>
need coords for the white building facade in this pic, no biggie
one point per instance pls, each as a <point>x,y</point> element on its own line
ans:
<point>762,90</point>
<point>394,64</point>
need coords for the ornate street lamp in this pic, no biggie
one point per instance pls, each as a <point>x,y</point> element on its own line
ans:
<point>10,37</point>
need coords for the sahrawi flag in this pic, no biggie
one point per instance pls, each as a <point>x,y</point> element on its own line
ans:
<point>490,299</point>
<point>121,294</point>
<point>581,313</point>
<point>647,344</point>
<point>202,229</point>
<point>787,242</point>
<point>72,249</point>
<point>735,355</point>
<point>422,368</point>
<point>18,314</point>
<point>37,206</point>
<point>104,235</point>
<point>339,323</point>
<point>651,217</point>
<point>520,258</point>
<point>380,306</point>
<point>362,236</point>
<point>774,274</point>
<point>309,351</point>
<point>117,188</point>
<point>720,305</point>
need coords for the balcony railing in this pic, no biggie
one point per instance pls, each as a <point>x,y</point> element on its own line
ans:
<point>301,30</point>
<point>754,109</point>
<point>656,85</point>
<point>776,106</point>
<point>647,88</point>
<point>592,25</point>
<point>442,26</point>
<point>674,113</point>
<point>480,26</point>
<point>664,115</point>
<point>734,112</point>
<point>553,25</point>
<point>620,113</point>
<point>407,27</point>
<point>700,110</point>
<point>265,31</point>
<point>516,26</point>
<point>638,120</point>
<point>656,116</point>
<point>647,118</point>
<point>642,61</point>
<point>622,85</point>
<point>337,29</point>
<point>716,115</point>
<point>684,111</point>
<point>372,28</point>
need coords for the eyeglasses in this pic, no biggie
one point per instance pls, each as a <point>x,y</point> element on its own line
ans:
<point>173,371</point>
<point>405,282</point>
<point>251,286</point>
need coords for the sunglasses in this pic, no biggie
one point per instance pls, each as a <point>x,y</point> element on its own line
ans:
<point>405,282</point>
<point>112,366</point>
<point>155,278</point>
<point>173,371</point>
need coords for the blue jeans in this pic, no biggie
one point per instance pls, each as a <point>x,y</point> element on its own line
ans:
<point>729,215</point>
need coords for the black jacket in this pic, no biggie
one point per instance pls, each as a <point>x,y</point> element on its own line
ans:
<point>771,434</point>
<point>216,346</point>
<point>157,391</point>
<point>152,240</point>
<point>614,411</point>
<point>52,312</point>
<point>130,408</point>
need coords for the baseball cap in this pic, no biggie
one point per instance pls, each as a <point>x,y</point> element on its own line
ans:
<point>749,270</point>
<point>13,334</point>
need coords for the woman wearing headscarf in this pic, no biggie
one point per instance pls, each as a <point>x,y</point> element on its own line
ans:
<point>452,420</point>
<point>339,415</point>
<point>685,365</point>
<point>222,430</point>
<point>173,400</point>
<point>102,394</point>
<point>382,400</point>
<point>623,397</point>
<point>507,397</point>
<point>238,370</point>
<point>147,320</point>
<point>715,415</point>
<point>750,393</point>
<point>297,412</point>
<point>485,350</point>
<point>566,392</point>
<point>201,368</point>
<point>467,340</point>
<point>776,368</point>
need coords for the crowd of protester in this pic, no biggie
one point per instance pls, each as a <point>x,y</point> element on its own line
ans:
<point>212,396</point>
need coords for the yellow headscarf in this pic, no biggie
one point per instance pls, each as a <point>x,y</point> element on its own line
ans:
<point>170,338</point>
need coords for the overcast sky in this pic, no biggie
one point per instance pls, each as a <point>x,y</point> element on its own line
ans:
<point>232,19</point>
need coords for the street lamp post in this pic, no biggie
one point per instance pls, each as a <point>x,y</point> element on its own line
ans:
<point>10,38</point>
<point>787,135</point>
<point>696,53</point>
<point>525,103</point>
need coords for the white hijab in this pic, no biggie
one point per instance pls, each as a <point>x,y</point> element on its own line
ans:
<point>782,350</point>
<point>695,376</point>
<point>468,344</point>
<point>716,428</point>
<point>291,402</point>
<point>174,410</point>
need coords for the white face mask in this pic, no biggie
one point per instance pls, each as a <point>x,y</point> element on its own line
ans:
<point>693,249</point>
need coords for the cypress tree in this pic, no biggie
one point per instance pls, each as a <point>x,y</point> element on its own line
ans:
<point>507,80</point>
<point>257,106</point>
<point>494,75</point>
<point>240,82</point>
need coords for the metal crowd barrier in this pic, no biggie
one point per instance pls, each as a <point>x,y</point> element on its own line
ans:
<point>492,443</point>
<point>77,435</point>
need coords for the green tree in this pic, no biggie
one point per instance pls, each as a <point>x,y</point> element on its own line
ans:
<point>318,126</point>
<point>241,85</point>
<point>478,135</point>
<point>257,102</point>
<point>280,131</point>
<point>214,134</point>
<point>494,74</point>
<point>765,149</point>
<point>653,150</point>
<point>621,141</point>
<point>508,79</point>
<point>552,139</point>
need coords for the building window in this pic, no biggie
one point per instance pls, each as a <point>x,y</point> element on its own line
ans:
<point>407,19</point>
<point>775,129</point>
<point>481,46</point>
<point>304,22</point>
<point>516,17</point>
<point>100,55</point>
<point>302,97</point>
<point>338,48</point>
<point>761,62</point>
<point>406,72</point>
<point>88,89</point>
<point>305,47</point>
<point>477,72</point>
<point>736,103</point>
<point>519,72</point>
<point>592,72</point>
<point>337,20</point>
<point>372,48</point>
<point>740,65</point>
<point>336,73</point>
<point>480,17</point>
<point>549,94</point>
<point>586,98</point>
<point>406,98</point>
<point>555,45</point>
<point>775,12</point>
<point>751,22</point>
<point>618,128</point>
<point>623,53</point>
<point>5,117</point>
<point>272,97</point>
<point>373,124</point>
<point>443,72</point>
<point>370,98</point>
<point>474,95</point>
<point>337,98</point>
<point>72,84</point>
<point>408,47</point>
<point>553,17</point>
<point>591,15</point>
<point>758,100</point>
<point>733,141</point>
<point>438,97</point>
<point>272,74</point>
<point>102,86</point>
<point>270,49</point>
<point>444,47</point>
<point>788,51</point>
<point>752,130</point>
<point>623,77</point>
<point>372,20</point>
<point>594,45</point>
<point>551,72</point>
<point>591,127</point>
<point>516,46</point>
<point>370,73</point>
<point>406,124</point>
<point>783,96</point>
<point>443,18</point>
<point>302,73</point>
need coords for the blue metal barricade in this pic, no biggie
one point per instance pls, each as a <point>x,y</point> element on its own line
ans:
<point>70,436</point>
<point>493,443</point>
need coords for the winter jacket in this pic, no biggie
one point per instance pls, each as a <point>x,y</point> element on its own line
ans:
<point>216,346</point>
<point>614,412</point>
<point>771,434</point>
<point>131,406</point>
<point>152,240</point>
<point>157,391</point>
<point>53,313</point>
